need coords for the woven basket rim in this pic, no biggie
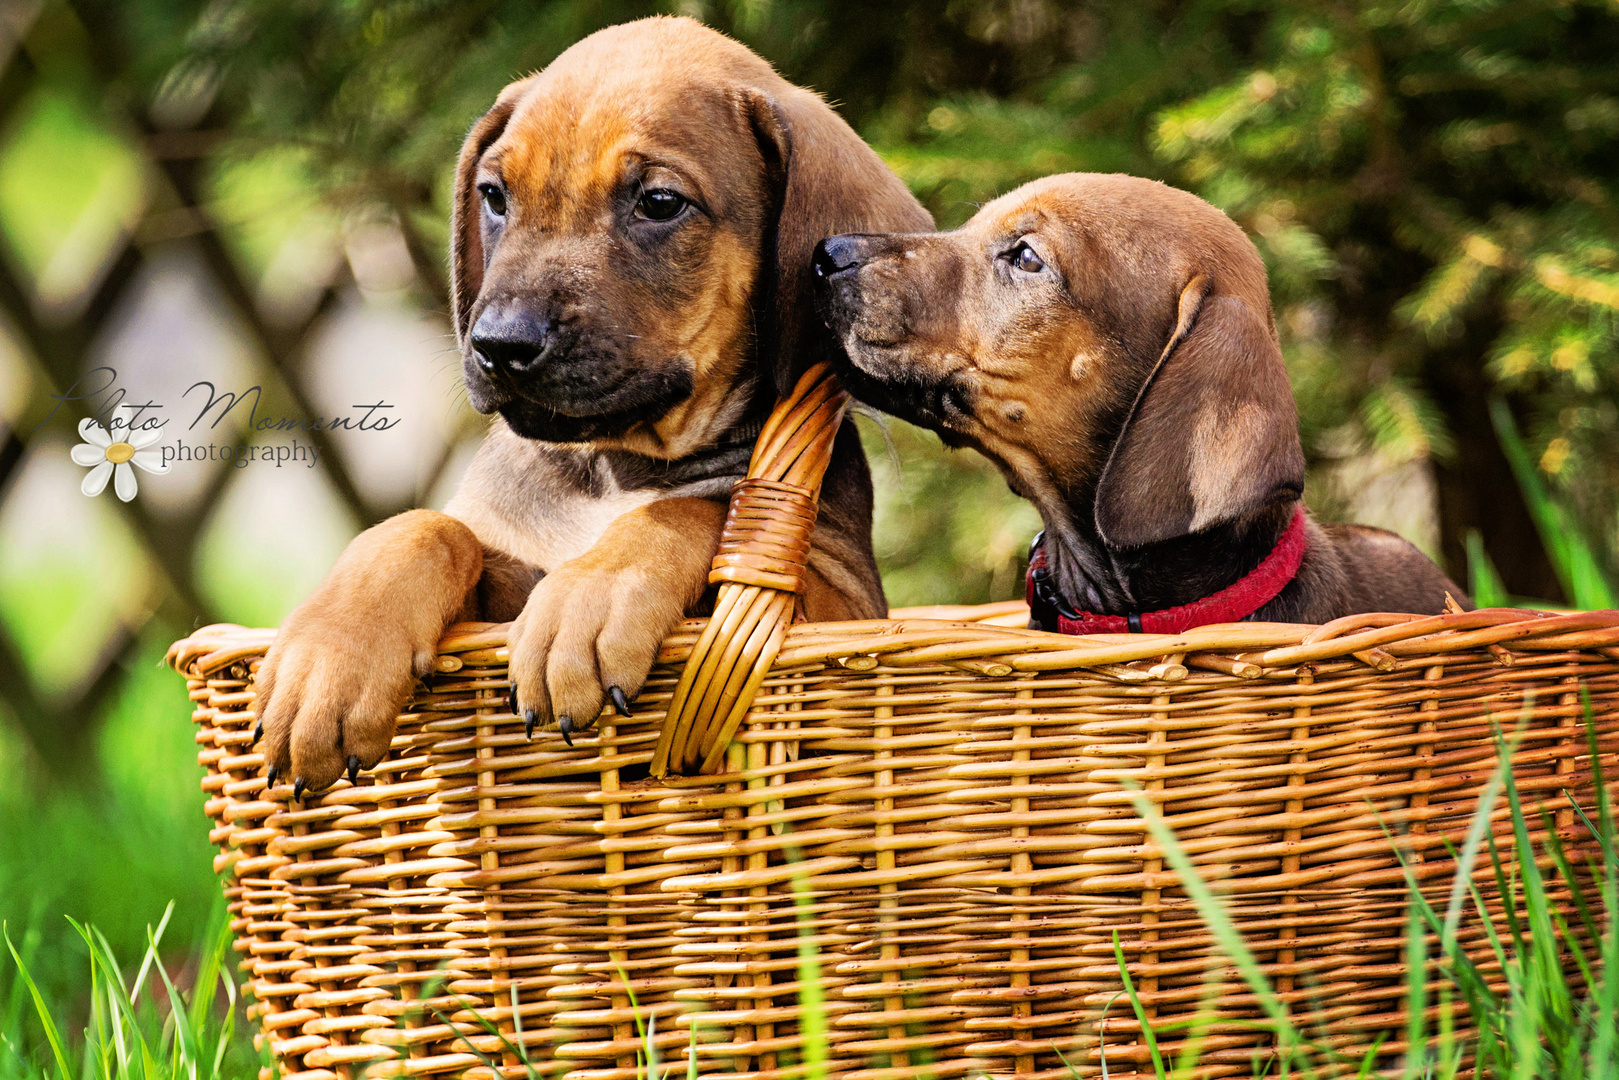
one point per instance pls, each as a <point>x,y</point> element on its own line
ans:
<point>910,637</point>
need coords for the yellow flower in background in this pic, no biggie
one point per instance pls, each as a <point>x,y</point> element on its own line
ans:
<point>1555,457</point>
<point>109,459</point>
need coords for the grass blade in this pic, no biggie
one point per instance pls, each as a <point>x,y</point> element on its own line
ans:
<point>1483,580</point>
<point>811,996</point>
<point>1416,993</point>
<point>1219,923</point>
<point>58,1048</point>
<point>1148,1036</point>
<point>1573,558</point>
<point>1477,829</point>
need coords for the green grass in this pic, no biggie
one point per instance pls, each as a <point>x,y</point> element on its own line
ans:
<point>112,850</point>
<point>139,1026</point>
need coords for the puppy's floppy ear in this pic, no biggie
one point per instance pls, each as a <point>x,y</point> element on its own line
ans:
<point>466,217</point>
<point>1213,435</point>
<point>823,180</point>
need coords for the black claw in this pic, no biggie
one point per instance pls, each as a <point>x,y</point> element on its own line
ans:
<point>258,732</point>
<point>511,701</point>
<point>620,702</point>
<point>298,786</point>
<point>269,775</point>
<point>354,768</point>
<point>565,725</point>
<point>530,718</point>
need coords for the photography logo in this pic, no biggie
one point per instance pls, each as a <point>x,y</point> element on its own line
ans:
<point>120,438</point>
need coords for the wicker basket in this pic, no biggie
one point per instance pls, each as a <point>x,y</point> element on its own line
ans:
<point>936,803</point>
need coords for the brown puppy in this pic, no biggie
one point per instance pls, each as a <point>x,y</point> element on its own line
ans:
<point>1108,341</point>
<point>631,272</point>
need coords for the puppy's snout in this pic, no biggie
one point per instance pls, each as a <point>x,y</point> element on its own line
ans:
<point>836,254</point>
<point>511,342</point>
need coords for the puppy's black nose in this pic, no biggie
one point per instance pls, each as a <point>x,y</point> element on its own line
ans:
<point>836,254</point>
<point>511,341</point>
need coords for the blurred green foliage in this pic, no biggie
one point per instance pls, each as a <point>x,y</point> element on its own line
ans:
<point>947,529</point>
<point>88,203</point>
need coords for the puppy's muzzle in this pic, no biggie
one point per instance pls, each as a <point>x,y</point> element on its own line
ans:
<point>509,343</point>
<point>841,255</point>
<point>837,262</point>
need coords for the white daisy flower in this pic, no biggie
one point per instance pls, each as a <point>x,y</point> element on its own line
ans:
<point>108,459</point>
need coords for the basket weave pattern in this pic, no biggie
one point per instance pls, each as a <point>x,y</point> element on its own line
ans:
<point>939,806</point>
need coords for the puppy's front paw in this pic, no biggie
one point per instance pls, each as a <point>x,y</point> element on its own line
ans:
<point>587,639</point>
<point>329,696</point>
<point>346,661</point>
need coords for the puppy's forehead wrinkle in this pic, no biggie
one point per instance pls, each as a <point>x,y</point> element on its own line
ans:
<point>557,153</point>
<point>1018,217</point>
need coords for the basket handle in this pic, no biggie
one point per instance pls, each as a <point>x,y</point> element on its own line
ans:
<point>759,569</point>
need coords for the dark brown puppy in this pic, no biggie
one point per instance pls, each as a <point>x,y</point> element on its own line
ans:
<point>1108,341</point>
<point>631,259</point>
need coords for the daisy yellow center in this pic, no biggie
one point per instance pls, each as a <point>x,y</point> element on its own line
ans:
<point>120,452</point>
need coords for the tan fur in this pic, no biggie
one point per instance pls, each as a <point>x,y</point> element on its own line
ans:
<point>1224,441</point>
<point>595,568</point>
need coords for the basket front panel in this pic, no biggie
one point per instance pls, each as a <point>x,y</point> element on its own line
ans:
<point>942,858</point>
<point>341,931</point>
<point>569,932</point>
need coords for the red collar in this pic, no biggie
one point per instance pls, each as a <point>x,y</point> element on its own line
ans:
<point>1233,603</point>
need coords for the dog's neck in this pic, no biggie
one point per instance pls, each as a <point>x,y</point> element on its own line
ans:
<point>1094,577</point>
<point>707,473</point>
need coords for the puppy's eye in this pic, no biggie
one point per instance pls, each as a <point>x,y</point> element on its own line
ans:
<point>1023,258</point>
<point>659,204</point>
<point>494,199</point>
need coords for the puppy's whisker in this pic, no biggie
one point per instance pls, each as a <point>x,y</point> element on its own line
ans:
<point>883,429</point>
